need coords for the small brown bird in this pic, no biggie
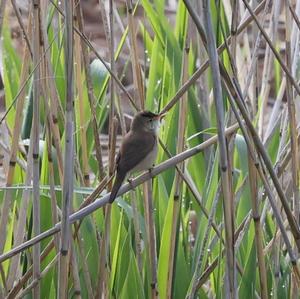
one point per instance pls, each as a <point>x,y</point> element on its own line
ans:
<point>138,149</point>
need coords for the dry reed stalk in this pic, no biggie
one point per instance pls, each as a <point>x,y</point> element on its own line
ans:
<point>104,263</point>
<point>54,102</point>
<point>121,26</point>
<point>74,265</point>
<point>14,269</point>
<point>136,225</point>
<point>295,17</point>
<point>68,172</point>
<point>107,34</point>
<point>57,110</point>
<point>292,118</point>
<point>104,243</point>
<point>285,159</point>
<point>91,97</point>
<point>258,229</point>
<point>178,179</point>
<point>147,186</point>
<point>113,123</point>
<point>293,134</point>
<point>75,272</point>
<point>283,145</point>
<point>82,120</point>
<point>230,276</point>
<point>49,92</point>
<point>136,69</point>
<point>203,89</point>
<point>53,127</point>
<point>20,230</point>
<point>151,237</point>
<point>276,255</point>
<point>276,114</point>
<point>54,208</point>
<point>125,188</point>
<point>268,68</point>
<point>22,26</point>
<point>103,258</point>
<point>35,135</point>
<point>104,19</point>
<point>233,29</point>
<point>14,147</point>
<point>122,75</point>
<point>52,130</point>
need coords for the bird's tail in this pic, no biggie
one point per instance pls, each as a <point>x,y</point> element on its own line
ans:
<point>117,184</point>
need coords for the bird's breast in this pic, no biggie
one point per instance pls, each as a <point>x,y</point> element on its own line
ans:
<point>148,161</point>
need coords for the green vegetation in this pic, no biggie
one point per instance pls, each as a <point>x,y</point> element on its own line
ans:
<point>194,231</point>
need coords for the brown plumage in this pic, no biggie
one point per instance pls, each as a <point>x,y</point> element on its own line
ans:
<point>138,149</point>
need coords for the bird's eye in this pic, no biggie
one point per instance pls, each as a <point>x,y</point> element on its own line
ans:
<point>150,119</point>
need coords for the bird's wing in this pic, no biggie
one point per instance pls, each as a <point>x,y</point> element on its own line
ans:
<point>134,149</point>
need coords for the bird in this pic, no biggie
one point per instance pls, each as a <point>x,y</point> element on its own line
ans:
<point>138,149</point>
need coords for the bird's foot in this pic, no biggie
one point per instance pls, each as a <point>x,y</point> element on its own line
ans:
<point>131,184</point>
<point>151,168</point>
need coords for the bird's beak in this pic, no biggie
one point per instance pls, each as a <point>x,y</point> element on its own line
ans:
<point>161,116</point>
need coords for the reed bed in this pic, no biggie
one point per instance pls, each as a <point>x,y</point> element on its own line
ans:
<point>217,217</point>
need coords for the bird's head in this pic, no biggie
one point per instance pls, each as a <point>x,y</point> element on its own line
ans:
<point>147,121</point>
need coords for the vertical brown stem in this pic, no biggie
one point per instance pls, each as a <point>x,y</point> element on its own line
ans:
<point>35,136</point>
<point>90,95</point>
<point>148,202</point>
<point>292,117</point>
<point>68,175</point>
<point>136,70</point>
<point>258,229</point>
